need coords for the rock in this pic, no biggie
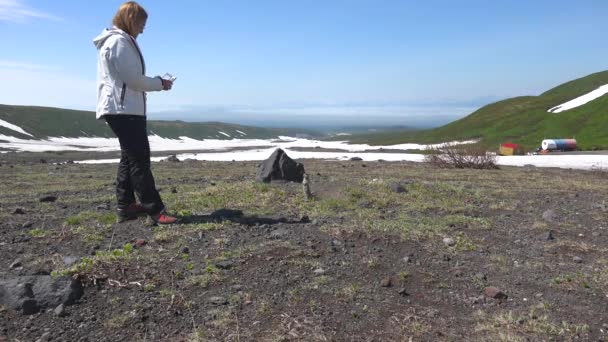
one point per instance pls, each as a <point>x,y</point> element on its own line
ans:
<point>304,219</point>
<point>16,264</point>
<point>398,188</point>
<point>27,225</point>
<point>403,292</point>
<point>355,159</point>
<point>104,206</point>
<point>494,292</point>
<point>386,282</point>
<point>19,211</point>
<point>217,300</point>
<point>45,337</point>
<point>280,167</point>
<point>407,259</point>
<point>279,233</point>
<point>140,243</point>
<point>172,158</point>
<point>60,310</point>
<point>224,264</point>
<point>480,276</point>
<point>449,242</point>
<point>48,198</point>
<point>319,271</point>
<point>577,259</point>
<point>69,260</point>
<point>30,294</point>
<point>185,250</point>
<point>549,215</point>
<point>549,236</point>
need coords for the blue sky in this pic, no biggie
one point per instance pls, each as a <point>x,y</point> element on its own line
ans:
<point>372,58</point>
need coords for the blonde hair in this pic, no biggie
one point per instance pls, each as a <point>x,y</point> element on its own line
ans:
<point>128,16</point>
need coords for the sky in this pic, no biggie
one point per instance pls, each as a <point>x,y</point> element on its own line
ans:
<point>399,61</point>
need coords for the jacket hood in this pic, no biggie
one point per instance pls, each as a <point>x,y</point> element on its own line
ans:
<point>107,33</point>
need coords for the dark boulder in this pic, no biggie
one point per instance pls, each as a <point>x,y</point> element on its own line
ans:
<point>280,167</point>
<point>31,294</point>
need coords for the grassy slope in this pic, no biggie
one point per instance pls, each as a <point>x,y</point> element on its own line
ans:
<point>523,120</point>
<point>45,122</point>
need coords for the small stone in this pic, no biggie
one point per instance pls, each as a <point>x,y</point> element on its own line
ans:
<point>577,259</point>
<point>60,310</point>
<point>407,259</point>
<point>140,243</point>
<point>403,292</point>
<point>224,264</point>
<point>315,222</point>
<point>185,250</point>
<point>386,282</point>
<point>449,242</point>
<point>319,271</point>
<point>48,198</point>
<point>550,236</point>
<point>247,302</point>
<point>16,264</point>
<point>103,207</point>
<point>549,215</point>
<point>494,292</point>
<point>19,211</point>
<point>480,276</point>
<point>217,300</point>
<point>398,188</point>
<point>45,337</point>
<point>27,225</point>
<point>69,260</point>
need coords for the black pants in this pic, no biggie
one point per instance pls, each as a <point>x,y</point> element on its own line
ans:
<point>134,174</point>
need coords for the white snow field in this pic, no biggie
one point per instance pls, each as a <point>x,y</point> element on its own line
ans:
<point>260,149</point>
<point>581,100</point>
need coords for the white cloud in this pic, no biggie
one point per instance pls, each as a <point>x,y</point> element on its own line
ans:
<point>16,11</point>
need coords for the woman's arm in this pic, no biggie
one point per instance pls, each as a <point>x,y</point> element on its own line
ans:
<point>125,60</point>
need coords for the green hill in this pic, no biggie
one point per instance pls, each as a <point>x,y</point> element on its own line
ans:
<point>43,122</point>
<point>522,120</point>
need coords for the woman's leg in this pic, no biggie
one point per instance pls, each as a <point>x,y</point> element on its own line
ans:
<point>135,149</point>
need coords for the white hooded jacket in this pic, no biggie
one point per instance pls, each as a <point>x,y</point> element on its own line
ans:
<point>121,75</point>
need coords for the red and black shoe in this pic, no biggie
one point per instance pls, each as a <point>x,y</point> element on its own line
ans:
<point>163,218</point>
<point>130,212</point>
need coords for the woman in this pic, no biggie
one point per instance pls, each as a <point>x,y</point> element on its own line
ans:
<point>121,100</point>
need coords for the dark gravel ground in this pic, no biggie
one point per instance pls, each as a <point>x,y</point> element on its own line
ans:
<point>384,252</point>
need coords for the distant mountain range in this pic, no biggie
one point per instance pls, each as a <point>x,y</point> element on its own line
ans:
<point>525,120</point>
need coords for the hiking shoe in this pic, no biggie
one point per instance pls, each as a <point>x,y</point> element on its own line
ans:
<point>162,218</point>
<point>132,211</point>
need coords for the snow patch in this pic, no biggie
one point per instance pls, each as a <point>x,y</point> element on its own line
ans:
<point>240,132</point>
<point>581,100</point>
<point>226,134</point>
<point>14,127</point>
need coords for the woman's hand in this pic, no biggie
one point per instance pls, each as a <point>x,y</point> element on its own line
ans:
<point>167,84</point>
